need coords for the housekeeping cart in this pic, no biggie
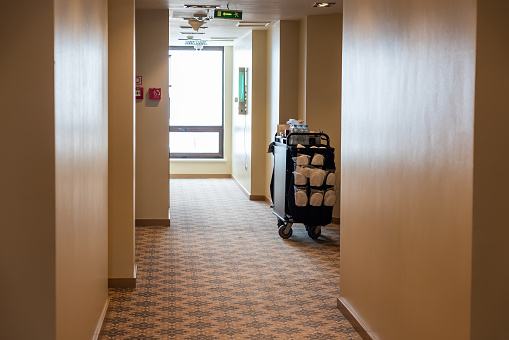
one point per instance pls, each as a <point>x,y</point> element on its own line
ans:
<point>303,181</point>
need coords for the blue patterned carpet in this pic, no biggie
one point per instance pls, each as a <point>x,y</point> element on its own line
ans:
<point>221,271</point>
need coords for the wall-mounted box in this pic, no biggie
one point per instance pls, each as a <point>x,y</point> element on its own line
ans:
<point>154,93</point>
<point>139,92</point>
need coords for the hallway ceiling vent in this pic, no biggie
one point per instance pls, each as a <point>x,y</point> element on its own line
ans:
<point>198,44</point>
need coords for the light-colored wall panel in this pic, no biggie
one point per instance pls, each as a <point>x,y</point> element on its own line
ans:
<point>407,166</point>
<point>152,116</point>
<point>259,113</point>
<point>241,124</point>
<point>121,137</point>
<point>27,173</point>
<point>323,81</point>
<point>81,165</point>
<point>490,267</point>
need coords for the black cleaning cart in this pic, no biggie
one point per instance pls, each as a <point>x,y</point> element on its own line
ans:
<point>297,184</point>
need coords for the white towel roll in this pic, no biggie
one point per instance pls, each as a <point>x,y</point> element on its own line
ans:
<point>316,178</point>
<point>300,179</point>
<point>302,160</point>
<point>299,169</point>
<point>316,199</point>
<point>331,179</point>
<point>317,159</point>
<point>306,172</point>
<point>330,198</point>
<point>301,199</point>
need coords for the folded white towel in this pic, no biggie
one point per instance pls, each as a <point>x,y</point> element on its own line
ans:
<point>298,169</point>
<point>330,198</point>
<point>301,198</point>
<point>306,172</point>
<point>300,179</point>
<point>300,146</point>
<point>316,199</point>
<point>317,159</point>
<point>302,160</point>
<point>316,178</point>
<point>331,179</point>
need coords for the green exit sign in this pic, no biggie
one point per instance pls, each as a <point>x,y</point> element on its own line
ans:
<point>226,14</point>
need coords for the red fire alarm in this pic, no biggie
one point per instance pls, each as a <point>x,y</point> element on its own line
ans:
<point>154,93</point>
<point>139,92</point>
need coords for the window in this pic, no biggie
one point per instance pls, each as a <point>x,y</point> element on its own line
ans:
<point>196,102</point>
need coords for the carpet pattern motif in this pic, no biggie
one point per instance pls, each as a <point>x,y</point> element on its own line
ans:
<point>221,271</point>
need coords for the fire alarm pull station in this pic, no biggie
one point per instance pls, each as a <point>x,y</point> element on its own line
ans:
<point>139,92</point>
<point>154,93</point>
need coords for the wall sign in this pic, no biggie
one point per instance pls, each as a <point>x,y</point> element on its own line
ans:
<point>154,93</point>
<point>138,80</point>
<point>139,92</point>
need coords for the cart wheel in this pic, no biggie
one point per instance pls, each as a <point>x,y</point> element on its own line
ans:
<point>313,233</point>
<point>282,232</point>
<point>280,222</point>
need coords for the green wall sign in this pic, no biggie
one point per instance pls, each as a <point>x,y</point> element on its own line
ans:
<point>226,14</point>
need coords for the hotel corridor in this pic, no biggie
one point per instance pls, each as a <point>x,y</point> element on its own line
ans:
<point>221,271</point>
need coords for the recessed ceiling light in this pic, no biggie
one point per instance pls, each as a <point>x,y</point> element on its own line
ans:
<point>323,4</point>
<point>201,6</point>
<point>191,33</point>
<point>252,24</point>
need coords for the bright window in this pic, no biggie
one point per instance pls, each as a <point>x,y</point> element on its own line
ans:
<point>196,102</point>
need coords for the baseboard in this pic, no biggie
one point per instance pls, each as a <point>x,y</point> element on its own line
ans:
<point>356,324</point>
<point>200,176</point>
<point>123,282</point>
<point>248,195</point>
<point>99,326</point>
<point>257,198</point>
<point>241,187</point>
<point>336,220</point>
<point>158,222</point>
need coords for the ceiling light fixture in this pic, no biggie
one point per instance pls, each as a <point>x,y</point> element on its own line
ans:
<point>202,6</point>
<point>323,4</point>
<point>252,24</point>
<point>188,27</point>
<point>196,24</point>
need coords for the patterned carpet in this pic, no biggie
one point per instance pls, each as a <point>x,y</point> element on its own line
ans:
<point>221,271</point>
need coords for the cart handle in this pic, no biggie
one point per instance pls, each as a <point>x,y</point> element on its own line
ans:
<point>321,134</point>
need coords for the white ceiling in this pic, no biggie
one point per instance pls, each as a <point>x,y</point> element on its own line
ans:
<point>252,11</point>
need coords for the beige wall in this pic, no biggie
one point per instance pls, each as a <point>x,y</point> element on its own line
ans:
<point>273,97</point>
<point>223,166</point>
<point>27,174</point>
<point>407,139</point>
<point>248,131</point>
<point>241,124</point>
<point>490,267</point>
<point>121,129</point>
<point>258,113</point>
<point>152,116</point>
<point>282,83</point>
<point>323,81</point>
<point>55,189</point>
<point>81,165</point>
<point>303,28</point>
